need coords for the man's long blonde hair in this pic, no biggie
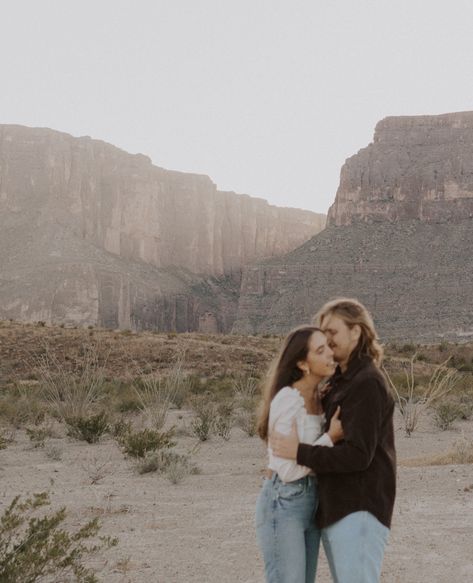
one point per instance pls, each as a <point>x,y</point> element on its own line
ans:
<point>353,313</point>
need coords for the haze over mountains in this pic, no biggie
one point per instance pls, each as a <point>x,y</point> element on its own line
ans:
<point>399,237</point>
<point>90,234</point>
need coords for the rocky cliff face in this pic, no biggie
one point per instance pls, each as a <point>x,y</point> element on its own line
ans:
<point>90,234</point>
<point>399,238</point>
<point>416,168</point>
<point>125,205</point>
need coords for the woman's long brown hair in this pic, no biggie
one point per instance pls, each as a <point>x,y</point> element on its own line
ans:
<point>284,371</point>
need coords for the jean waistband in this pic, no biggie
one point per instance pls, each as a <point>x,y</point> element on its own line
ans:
<point>306,480</point>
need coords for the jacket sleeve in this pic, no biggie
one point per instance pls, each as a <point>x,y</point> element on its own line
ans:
<point>361,414</point>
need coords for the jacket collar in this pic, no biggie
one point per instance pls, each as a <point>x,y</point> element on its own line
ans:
<point>355,364</point>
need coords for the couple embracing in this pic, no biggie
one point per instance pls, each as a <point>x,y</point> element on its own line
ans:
<point>332,464</point>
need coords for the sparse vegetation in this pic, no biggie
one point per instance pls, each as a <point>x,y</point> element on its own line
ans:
<point>72,395</point>
<point>445,414</point>
<point>88,428</point>
<point>413,406</point>
<point>205,411</point>
<point>36,548</point>
<point>138,444</point>
<point>461,453</point>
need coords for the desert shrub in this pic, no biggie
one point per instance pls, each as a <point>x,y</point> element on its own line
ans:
<point>465,408</point>
<point>138,444</point>
<point>88,428</point>
<point>246,421</point>
<point>177,467</point>
<point>408,348</point>
<point>245,387</point>
<point>35,549</point>
<point>461,453</point>
<point>38,435</point>
<point>21,406</point>
<point>205,411</point>
<point>72,395</point>
<point>4,441</point>
<point>54,452</point>
<point>443,346</point>
<point>202,427</point>
<point>149,463</point>
<point>178,383</point>
<point>156,395</point>
<point>172,465</point>
<point>121,427</point>
<point>224,420</point>
<point>445,414</point>
<point>223,426</point>
<point>414,404</point>
<point>128,401</point>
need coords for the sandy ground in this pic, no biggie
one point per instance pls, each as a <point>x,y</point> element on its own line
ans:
<point>201,530</point>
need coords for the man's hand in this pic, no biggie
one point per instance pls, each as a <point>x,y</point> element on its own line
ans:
<point>335,431</point>
<point>285,446</point>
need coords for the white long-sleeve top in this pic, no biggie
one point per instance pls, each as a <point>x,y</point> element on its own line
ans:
<point>287,405</point>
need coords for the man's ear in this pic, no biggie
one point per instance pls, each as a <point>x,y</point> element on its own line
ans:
<point>356,332</point>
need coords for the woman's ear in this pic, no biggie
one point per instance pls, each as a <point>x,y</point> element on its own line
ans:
<point>302,366</point>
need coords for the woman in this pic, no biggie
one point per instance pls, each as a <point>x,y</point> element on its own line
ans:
<point>286,531</point>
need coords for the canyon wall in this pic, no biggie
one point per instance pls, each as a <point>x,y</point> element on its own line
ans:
<point>399,238</point>
<point>125,205</point>
<point>418,167</point>
<point>92,235</point>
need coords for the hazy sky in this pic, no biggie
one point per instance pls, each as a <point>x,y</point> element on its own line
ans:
<point>267,97</point>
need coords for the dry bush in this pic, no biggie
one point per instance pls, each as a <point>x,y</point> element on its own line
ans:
<point>89,428</point>
<point>246,421</point>
<point>157,395</point>
<point>178,467</point>
<point>34,549</point>
<point>72,395</point>
<point>445,414</point>
<point>418,399</point>
<point>21,405</point>
<point>140,443</point>
<point>461,453</point>
<point>54,452</point>
<point>5,440</point>
<point>205,411</point>
<point>38,435</point>
<point>245,387</point>
<point>98,467</point>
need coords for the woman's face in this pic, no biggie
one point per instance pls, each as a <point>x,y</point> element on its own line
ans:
<point>319,361</point>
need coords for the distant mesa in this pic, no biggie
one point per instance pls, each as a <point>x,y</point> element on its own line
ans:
<point>416,168</point>
<point>90,234</point>
<point>399,237</point>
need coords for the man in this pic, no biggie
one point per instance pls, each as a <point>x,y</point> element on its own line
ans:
<point>357,477</point>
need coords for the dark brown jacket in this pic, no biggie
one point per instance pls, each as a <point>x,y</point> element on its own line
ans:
<point>358,473</point>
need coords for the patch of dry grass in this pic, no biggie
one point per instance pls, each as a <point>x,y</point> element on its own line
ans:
<point>461,453</point>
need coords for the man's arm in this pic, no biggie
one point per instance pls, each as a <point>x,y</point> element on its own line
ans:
<point>362,413</point>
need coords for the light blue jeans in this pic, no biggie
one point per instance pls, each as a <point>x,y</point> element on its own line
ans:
<point>286,531</point>
<point>355,548</point>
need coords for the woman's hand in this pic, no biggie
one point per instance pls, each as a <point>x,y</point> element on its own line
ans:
<point>285,446</point>
<point>335,430</point>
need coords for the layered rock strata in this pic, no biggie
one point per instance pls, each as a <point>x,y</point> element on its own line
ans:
<point>90,234</point>
<point>399,238</point>
<point>417,167</point>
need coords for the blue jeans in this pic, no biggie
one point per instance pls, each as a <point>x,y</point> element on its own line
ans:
<point>286,531</point>
<point>355,548</point>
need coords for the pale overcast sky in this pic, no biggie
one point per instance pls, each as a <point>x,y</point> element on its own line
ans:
<point>267,97</point>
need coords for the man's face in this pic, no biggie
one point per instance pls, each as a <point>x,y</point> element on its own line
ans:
<point>341,339</point>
